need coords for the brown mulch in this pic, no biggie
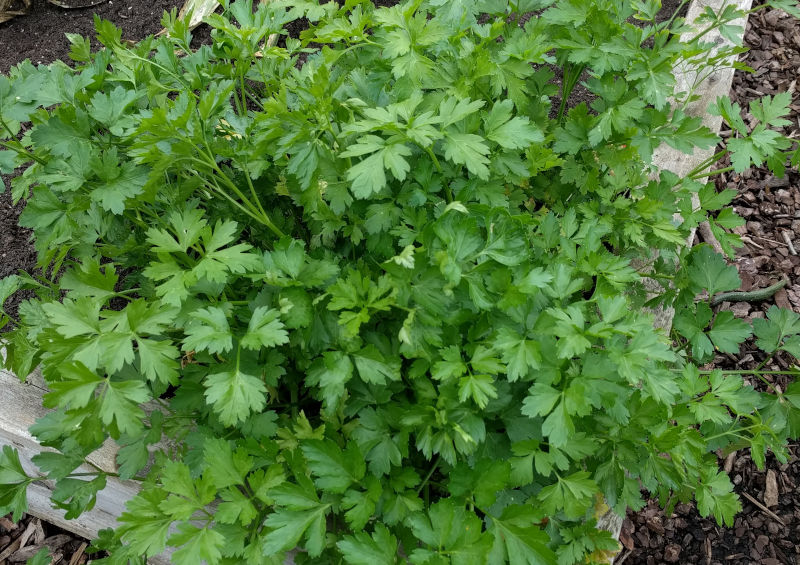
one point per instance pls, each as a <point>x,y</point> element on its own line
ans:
<point>767,531</point>
<point>22,540</point>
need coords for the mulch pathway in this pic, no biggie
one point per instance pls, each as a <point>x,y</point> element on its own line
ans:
<point>767,532</point>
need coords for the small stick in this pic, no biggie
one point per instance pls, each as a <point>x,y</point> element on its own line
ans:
<point>788,241</point>
<point>749,241</point>
<point>764,509</point>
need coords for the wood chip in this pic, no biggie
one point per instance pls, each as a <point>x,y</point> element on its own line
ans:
<point>788,239</point>
<point>771,490</point>
<point>7,524</point>
<point>20,541</point>
<point>76,557</point>
<point>38,533</point>
<point>729,461</point>
<point>25,553</point>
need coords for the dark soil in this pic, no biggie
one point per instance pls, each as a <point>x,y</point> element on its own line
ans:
<point>16,252</point>
<point>39,35</point>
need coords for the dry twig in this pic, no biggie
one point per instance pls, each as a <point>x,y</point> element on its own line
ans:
<point>764,509</point>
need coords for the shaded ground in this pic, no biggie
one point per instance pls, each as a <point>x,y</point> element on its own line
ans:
<point>39,36</point>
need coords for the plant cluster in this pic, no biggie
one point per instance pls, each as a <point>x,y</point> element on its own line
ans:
<point>377,294</point>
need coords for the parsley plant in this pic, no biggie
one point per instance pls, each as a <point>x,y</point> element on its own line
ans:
<point>381,291</point>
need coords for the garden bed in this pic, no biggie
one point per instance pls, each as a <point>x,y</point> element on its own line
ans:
<point>647,514</point>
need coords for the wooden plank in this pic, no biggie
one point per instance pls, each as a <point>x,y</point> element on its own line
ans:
<point>22,404</point>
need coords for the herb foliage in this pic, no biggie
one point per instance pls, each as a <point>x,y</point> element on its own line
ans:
<point>380,289</point>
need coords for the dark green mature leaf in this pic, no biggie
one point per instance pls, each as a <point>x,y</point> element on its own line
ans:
<point>449,535</point>
<point>518,540</point>
<point>362,549</point>
<point>334,470</point>
<point>710,272</point>
<point>728,332</point>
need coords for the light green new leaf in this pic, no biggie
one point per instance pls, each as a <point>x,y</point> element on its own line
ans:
<point>540,401</point>
<point>74,317</point>
<point>208,331</point>
<point>120,404</point>
<point>235,395</point>
<point>508,132</point>
<point>76,390</point>
<point>467,149</point>
<point>480,388</point>
<point>265,329</point>
<point>367,176</point>
<point>158,360</point>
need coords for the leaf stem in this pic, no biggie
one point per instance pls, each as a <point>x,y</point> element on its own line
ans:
<point>707,163</point>
<point>428,476</point>
<point>711,173</point>
<point>23,151</point>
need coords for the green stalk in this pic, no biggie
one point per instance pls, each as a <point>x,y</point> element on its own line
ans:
<point>23,151</point>
<point>711,173</point>
<point>707,163</point>
<point>572,74</point>
<point>428,476</point>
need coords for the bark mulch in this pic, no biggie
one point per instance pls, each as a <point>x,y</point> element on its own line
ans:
<point>22,540</point>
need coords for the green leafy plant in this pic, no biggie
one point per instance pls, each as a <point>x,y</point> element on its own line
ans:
<point>382,298</point>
